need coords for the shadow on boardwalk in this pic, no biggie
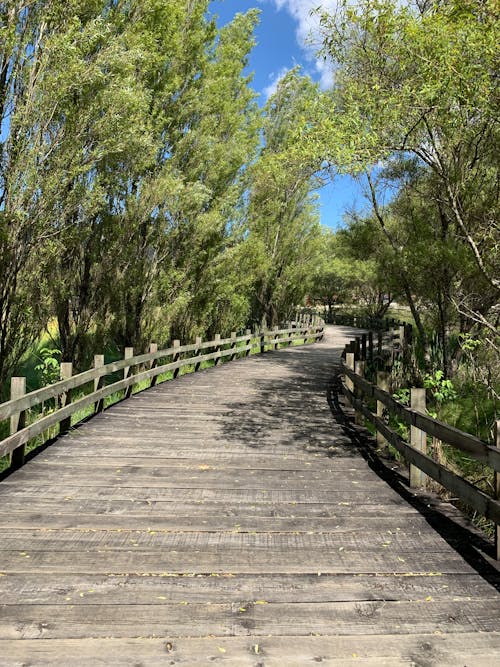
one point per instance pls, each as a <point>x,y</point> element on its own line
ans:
<point>281,413</point>
<point>231,517</point>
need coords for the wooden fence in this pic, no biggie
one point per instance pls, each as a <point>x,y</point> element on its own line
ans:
<point>358,391</point>
<point>144,368</point>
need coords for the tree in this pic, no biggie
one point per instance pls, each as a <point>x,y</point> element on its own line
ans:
<point>419,79</point>
<point>283,217</point>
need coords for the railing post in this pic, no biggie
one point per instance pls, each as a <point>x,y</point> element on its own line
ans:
<point>17,421</point>
<point>418,438</point>
<point>276,339</point>
<point>248,334</point>
<point>198,351</point>
<point>357,347</point>
<point>127,354</point>
<point>349,362</point>
<point>263,342</point>
<point>65,399</point>
<point>382,383</point>
<point>359,369</point>
<point>233,345</point>
<point>153,348</point>
<point>176,356</point>
<point>370,347</point>
<point>99,381</point>
<point>380,344</point>
<point>497,491</point>
<point>363,347</point>
<point>217,349</point>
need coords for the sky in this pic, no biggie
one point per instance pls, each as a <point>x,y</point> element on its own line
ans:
<point>286,37</point>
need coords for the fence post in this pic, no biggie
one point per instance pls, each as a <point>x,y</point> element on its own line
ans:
<point>349,362</point>
<point>128,354</point>
<point>65,399</point>
<point>248,334</point>
<point>276,339</point>
<point>380,344</point>
<point>263,342</point>
<point>99,381</point>
<point>370,346</point>
<point>359,369</point>
<point>382,383</point>
<point>198,351</point>
<point>497,491</point>
<point>176,356</point>
<point>233,345</point>
<point>153,348</point>
<point>217,349</point>
<point>363,347</point>
<point>418,438</point>
<point>17,421</point>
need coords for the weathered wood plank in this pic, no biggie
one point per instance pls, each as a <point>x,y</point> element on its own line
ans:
<point>439,650</point>
<point>202,561</point>
<point>217,517</point>
<point>153,541</point>
<point>246,618</point>
<point>79,589</point>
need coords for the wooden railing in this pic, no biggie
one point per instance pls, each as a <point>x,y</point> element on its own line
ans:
<point>358,391</point>
<point>144,368</point>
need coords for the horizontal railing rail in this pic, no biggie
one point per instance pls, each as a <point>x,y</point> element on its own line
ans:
<point>136,369</point>
<point>358,390</point>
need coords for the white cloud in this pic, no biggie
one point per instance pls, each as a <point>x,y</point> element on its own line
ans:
<point>308,32</point>
<point>275,79</point>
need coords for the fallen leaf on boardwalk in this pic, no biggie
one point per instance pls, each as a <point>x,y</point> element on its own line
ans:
<point>204,466</point>
<point>261,602</point>
<point>256,648</point>
<point>242,609</point>
<point>428,598</point>
<point>222,650</point>
<point>161,597</point>
<point>169,647</point>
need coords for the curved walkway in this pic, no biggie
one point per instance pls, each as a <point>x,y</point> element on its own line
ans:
<point>227,517</point>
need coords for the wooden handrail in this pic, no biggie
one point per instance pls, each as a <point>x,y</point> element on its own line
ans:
<point>357,389</point>
<point>466,442</point>
<point>467,492</point>
<point>19,405</point>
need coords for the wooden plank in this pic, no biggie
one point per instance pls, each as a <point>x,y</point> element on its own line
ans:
<point>246,618</point>
<point>80,589</point>
<point>222,561</point>
<point>445,650</point>
<point>234,538</point>
<point>228,494</point>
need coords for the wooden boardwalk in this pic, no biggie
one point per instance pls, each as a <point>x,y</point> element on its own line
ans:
<point>226,517</point>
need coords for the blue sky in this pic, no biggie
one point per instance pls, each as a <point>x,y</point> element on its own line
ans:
<point>285,28</point>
